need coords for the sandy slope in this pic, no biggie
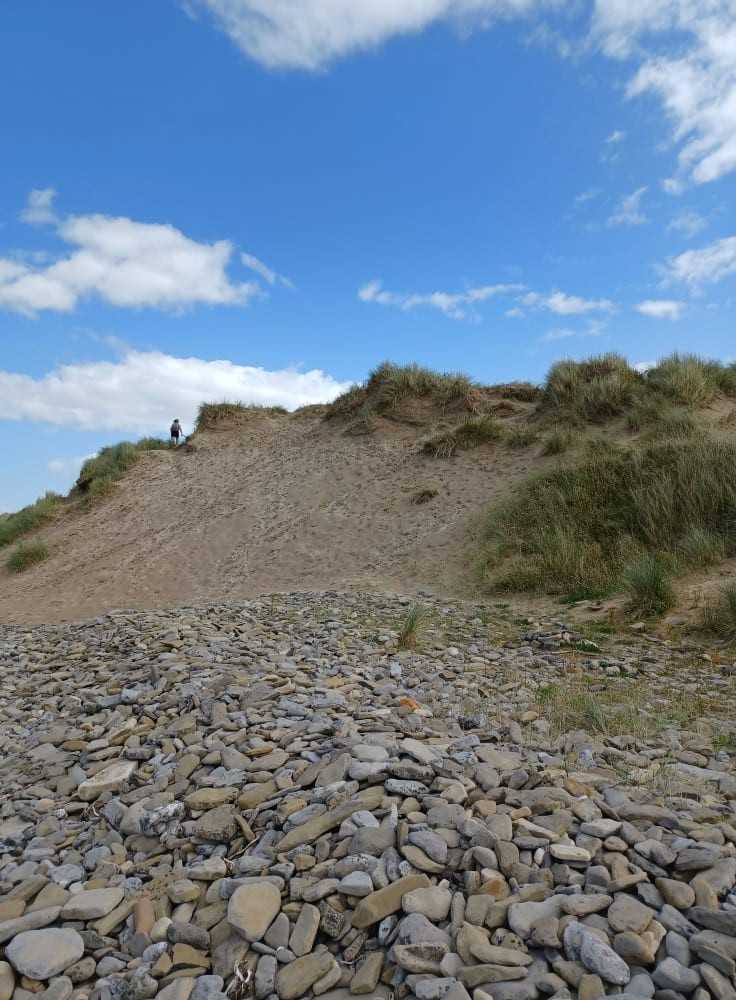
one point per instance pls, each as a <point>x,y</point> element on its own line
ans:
<point>280,504</point>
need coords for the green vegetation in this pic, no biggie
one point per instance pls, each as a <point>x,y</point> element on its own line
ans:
<point>692,381</point>
<point>25,555</point>
<point>590,391</point>
<point>557,442</point>
<point>35,515</point>
<point>720,616</point>
<point>579,527</point>
<point>471,433</point>
<point>99,474</point>
<point>521,437</point>
<point>389,384</point>
<point>649,585</point>
<point>425,495</point>
<point>416,620</point>
<point>605,387</point>
<point>220,416</point>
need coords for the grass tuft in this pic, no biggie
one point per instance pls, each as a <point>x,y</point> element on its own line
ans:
<point>35,515</point>
<point>590,391</point>
<point>471,433</point>
<point>425,495</point>
<point>25,555</point>
<point>390,383</point>
<point>99,474</point>
<point>720,616</point>
<point>521,437</point>
<point>690,380</point>
<point>220,416</point>
<point>557,442</point>
<point>417,619</point>
<point>649,585</point>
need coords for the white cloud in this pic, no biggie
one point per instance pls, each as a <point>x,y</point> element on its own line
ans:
<point>143,391</point>
<point>615,137</point>
<point>661,308</point>
<point>629,211</point>
<point>453,305</point>
<point>644,366</point>
<point>687,55</point>
<point>706,266</point>
<point>270,276</point>
<point>125,263</point>
<point>689,223</point>
<point>310,34</point>
<point>39,207</point>
<point>586,196</point>
<point>566,305</point>
<point>593,328</point>
<point>684,50</point>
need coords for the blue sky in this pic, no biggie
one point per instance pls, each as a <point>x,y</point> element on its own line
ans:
<point>262,199</point>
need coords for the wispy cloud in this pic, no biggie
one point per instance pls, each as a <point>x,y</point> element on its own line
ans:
<point>455,305</point>
<point>615,138</point>
<point>661,308</point>
<point>270,276</point>
<point>706,266</point>
<point>629,211</point>
<point>593,328</point>
<point>689,223</point>
<point>566,305</point>
<point>141,392</point>
<point>39,209</point>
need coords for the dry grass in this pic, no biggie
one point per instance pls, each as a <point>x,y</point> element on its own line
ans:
<point>471,433</point>
<point>719,616</point>
<point>390,383</point>
<point>221,416</point>
<point>25,555</point>
<point>425,495</point>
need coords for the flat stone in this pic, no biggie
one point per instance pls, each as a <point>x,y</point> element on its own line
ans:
<point>298,977</point>
<point>42,954</point>
<point>252,908</point>
<point>91,904</point>
<point>381,903</point>
<point>110,779</point>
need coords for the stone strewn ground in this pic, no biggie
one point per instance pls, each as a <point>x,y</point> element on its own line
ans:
<point>268,800</point>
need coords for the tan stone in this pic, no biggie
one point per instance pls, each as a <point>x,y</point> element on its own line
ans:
<point>371,909</point>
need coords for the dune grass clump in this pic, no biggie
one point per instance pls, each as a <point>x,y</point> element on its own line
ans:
<point>719,616</point>
<point>649,585</point>
<point>691,380</point>
<point>591,391</point>
<point>25,555</point>
<point>389,384</point>
<point>100,473</point>
<point>218,416</point>
<point>27,519</point>
<point>519,438</point>
<point>471,433</point>
<point>579,527</point>
<point>557,441</point>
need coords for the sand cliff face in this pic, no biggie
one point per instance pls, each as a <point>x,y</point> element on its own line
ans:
<point>277,504</point>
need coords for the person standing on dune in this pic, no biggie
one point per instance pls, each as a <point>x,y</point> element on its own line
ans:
<point>176,432</point>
